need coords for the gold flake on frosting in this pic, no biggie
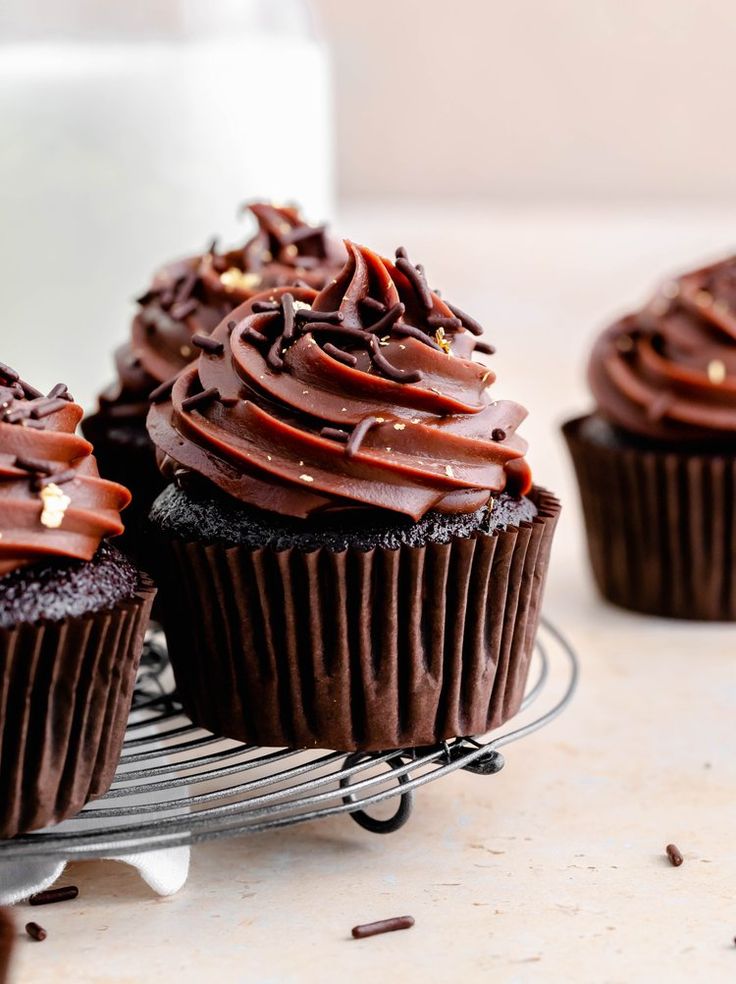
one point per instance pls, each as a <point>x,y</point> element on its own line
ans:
<point>55,503</point>
<point>716,371</point>
<point>234,279</point>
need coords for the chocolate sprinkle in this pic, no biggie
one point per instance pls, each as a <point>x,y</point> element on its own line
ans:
<point>347,358</point>
<point>470,323</point>
<point>358,435</point>
<point>415,276</point>
<point>485,347</point>
<point>252,334</point>
<point>307,314</point>
<point>388,320</point>
<point>52,895</point>
<point>287,306</point>
<point>9,374</point>
<point>673,853</point>
<point>372,304</point>
<point>198,399</point>
<point>56,479</point>
<point>36,932</point>
<point>33,465</point>
<point>45,407</point>
<point>162,392</point>
<point>382,926</point>
<point>273,358</point>
<point>417,333</point>
<point>390,370</point>
<point>259,307</point>
<point>498,434</point>
<point>60,391</point>
<point>442,321</point>
<point>208,344</point>
<point>334,433</point>
<point>30,391</point>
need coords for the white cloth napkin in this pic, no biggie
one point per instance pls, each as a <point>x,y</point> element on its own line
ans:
<point>164,871</point>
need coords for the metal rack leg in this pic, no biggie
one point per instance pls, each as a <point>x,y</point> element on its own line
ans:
<point>363,819</point>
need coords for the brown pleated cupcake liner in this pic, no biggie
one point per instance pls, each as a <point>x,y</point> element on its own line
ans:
<point>65,693</point>
<point>7,942</point>
<point>661,527</point>
<point>356,649</point>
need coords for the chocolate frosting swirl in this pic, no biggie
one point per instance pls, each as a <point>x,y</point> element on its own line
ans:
<point>668,372</point>
<point>362,395</point>
<point>52,501</point>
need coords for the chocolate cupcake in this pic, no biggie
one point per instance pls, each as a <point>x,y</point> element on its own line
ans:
<point>183,304</point>
<point>656,461</point>
<point>352,555</point>
<point>7,942</point>
<point>73,611</point>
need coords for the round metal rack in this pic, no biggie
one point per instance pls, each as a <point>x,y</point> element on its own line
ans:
<point>177,784</point>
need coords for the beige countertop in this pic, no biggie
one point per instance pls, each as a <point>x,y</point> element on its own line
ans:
<point>554,869</point>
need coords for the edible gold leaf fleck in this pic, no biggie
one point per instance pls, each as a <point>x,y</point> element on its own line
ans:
<point>442,340</point>
<point>716,371</point>
<point>234,279</point>
<point>54,505</point>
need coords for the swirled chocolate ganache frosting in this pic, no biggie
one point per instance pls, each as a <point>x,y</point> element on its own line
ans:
<point>53,504</point>
<point>668,372</point>
<point>362,395</point>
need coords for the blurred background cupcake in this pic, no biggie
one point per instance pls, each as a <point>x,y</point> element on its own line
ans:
<point>352,555</point>
<point>73,611</point>
<point>185,301</point>
<point>656,460</point>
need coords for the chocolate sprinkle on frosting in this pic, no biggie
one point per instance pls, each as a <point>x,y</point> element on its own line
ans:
<point>357,437</point>
<point>161,392</point>
<point>208,344</point>
<point>201,398</point>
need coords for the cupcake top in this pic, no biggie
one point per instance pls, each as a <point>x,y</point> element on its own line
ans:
<point>53,504</point>
<point>668,372</point>
<point>362,395</point>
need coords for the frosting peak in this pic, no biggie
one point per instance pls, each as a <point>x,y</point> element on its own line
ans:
<point>668,372</point>
<point>362,395</point>
<point>52,500</point>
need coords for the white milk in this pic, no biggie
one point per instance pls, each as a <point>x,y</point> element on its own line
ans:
<point>119,153</point>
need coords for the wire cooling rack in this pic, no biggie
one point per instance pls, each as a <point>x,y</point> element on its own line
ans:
<point>177,784</point>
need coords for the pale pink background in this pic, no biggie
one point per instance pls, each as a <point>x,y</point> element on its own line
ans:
<point>530,99</point>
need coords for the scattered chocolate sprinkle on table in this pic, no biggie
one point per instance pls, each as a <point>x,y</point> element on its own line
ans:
<point>382,926</point>
<point>36,932</point>
<point>51,895</point>
<point>673,853</point>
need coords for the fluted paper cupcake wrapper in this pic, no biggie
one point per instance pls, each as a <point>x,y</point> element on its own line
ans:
<point>7,941</point>
<point>661,527</point>
<point>356,649</point>
<point>65,693</point>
